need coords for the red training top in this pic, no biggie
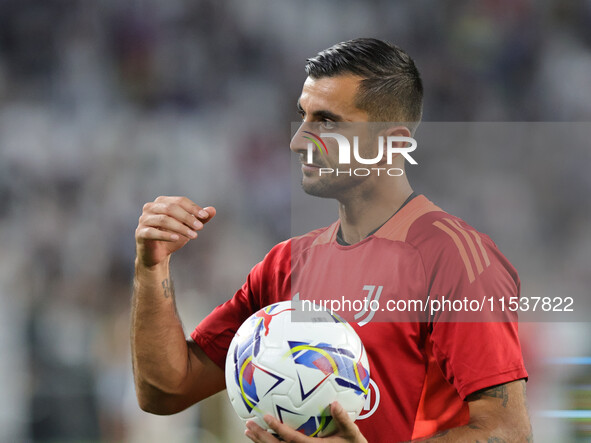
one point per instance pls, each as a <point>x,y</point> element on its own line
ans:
<point>435,331</point>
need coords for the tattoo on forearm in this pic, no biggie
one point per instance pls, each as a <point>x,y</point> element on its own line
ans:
<point>495,392</point>
<point>432,437</point>
<point>168,287</point>
<point>436,436</point>
<point>530,437</point>
<point>493,440</point>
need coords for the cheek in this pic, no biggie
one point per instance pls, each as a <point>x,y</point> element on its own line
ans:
<point>371,149</point>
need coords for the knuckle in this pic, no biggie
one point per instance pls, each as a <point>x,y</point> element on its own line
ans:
<point>167,208</point>
<point>143,220</point>
<point>162,219</point>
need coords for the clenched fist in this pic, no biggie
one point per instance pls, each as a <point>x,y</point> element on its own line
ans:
<point>166,225</point>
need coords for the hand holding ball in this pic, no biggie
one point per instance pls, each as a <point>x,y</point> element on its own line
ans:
<point>293,370</point>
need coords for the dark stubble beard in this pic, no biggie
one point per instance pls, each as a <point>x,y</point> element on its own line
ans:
<point>331,187</point>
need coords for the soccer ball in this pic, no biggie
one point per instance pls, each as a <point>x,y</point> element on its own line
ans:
<point>293,370</point>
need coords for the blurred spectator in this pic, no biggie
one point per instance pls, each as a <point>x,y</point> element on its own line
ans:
<point>105,105</point>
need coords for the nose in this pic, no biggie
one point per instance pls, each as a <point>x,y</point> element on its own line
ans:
<point>298,143</point>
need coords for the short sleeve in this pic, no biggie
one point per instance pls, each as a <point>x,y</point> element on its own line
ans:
<point>216,331</point>
<point>474,334</point>
<point>267,282</point>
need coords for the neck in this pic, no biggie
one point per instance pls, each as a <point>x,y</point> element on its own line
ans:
<point>363,214</point>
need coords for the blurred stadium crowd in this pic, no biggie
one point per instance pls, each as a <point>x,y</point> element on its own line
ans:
<point>105,105</point>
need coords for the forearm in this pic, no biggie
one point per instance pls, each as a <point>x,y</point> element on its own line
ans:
<point>159,348</point>
<point>497,414</point>
<point>470,433</point>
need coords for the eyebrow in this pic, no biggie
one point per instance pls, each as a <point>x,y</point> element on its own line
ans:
<point>321,114</point>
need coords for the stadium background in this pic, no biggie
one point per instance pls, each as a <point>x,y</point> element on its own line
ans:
<point>105,105</point>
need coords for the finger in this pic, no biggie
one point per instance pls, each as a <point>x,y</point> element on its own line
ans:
<point>202,214</point>
<point>176,211</point>
<point>167,223</point>
<point>342,419</point>
<point>211,212</point>
<point>285,432</point>
<point>149,233</point>
<point>194,209</point>
<point>189,206</point>
<point>258,434</point>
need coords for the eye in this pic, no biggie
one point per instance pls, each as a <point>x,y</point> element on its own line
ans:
<point>327,124</point>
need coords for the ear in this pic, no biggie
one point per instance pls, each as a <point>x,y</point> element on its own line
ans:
<point>396,130</point>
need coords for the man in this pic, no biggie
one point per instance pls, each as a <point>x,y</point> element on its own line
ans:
<point>438,379</point>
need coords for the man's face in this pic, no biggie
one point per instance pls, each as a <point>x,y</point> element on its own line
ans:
<point>325,103</point>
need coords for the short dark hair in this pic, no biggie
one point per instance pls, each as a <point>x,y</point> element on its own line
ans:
<point>391,88</point>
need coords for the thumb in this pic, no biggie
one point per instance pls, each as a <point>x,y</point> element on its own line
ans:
<point>342,419</point>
